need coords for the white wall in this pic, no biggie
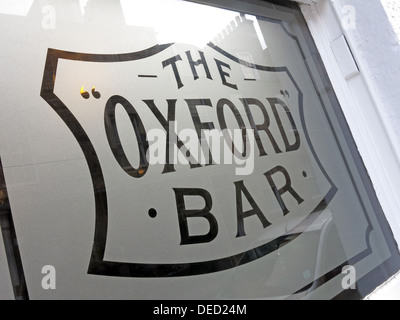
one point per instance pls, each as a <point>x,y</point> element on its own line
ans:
<point>392,8</point>
<point>377,44</point>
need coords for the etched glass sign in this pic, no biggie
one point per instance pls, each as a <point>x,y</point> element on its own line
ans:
<point>171,156</point>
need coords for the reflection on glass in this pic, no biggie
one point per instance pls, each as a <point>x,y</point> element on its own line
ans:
<point>15,7</point>
<point>178,21</point>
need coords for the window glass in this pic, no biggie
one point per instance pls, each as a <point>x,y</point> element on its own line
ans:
<point>167,149</point>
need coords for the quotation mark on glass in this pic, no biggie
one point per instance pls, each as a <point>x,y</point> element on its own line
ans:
<point>285,93</point>
<point>86,95</point>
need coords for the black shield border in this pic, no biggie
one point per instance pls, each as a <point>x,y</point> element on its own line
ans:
<point>97,264</point>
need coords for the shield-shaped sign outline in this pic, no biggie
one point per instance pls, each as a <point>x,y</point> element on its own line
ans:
<point>97,264</point>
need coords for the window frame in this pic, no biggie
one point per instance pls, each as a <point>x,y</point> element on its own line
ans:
<point>377,154</point>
